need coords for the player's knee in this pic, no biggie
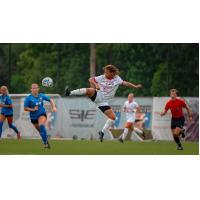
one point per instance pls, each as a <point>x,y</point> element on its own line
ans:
<point>90,91</point>
<point>112,117</point>
<point>130,128</point>
<point>41,125</point>
<point>176,133</point>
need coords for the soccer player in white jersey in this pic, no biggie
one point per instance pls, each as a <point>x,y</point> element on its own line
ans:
<point>103,89</point>
<point>130,107</point>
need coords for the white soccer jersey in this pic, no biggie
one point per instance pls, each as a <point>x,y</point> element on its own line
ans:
<point>108,87</point>
<point>130,109</point>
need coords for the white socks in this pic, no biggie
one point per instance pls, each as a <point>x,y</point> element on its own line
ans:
<point>106,127</point>
<point>124,134</point>
<point>78,91</point>
<point>138,130</point>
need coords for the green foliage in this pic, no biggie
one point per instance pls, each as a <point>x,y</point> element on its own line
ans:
<point>159,83</point>
<point>158,67</point>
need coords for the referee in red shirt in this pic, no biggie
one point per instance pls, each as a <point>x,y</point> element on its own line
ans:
<point>176,105</point>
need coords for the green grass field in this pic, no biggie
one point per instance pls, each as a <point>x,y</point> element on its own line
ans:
<point>77,147</point>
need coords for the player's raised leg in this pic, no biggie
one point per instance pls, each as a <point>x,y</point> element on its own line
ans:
<point>78,92</point>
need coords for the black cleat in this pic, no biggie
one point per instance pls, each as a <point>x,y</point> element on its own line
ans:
<point>101,134</point>
<point>67,91</point>
<point>121,140</point>
<point>179,148</point>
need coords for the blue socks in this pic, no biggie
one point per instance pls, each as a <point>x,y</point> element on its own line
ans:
<point>14,128</point>
<point>10,126</point>
<point>43,133</point>
<point>1,125</point>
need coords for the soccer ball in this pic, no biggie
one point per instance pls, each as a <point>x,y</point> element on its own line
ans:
<point>47,82</point>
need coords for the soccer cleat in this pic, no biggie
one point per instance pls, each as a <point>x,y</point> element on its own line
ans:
<point>47,145</point>
<point>101,134</point>
<point>18,136</point>
<point>179,148</point>
<point>143,136</point>
<point>121,140</point>
<point>67,91</point>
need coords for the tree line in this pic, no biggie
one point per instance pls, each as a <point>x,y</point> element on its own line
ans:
<point>158,67</point>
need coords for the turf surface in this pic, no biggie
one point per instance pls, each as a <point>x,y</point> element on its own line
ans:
<point>77,147</point>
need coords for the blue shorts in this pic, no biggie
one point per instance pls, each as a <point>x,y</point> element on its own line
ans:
<point>35,121</point>
<point>7,115</point>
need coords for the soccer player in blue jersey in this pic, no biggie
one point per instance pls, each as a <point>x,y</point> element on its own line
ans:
<point>34,104</point>
<point>6,110</point>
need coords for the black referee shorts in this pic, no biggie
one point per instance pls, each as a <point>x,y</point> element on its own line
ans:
<point>177,122</point>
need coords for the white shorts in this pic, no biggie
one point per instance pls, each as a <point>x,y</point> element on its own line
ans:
<point>100,100</point>
<point>130,119</point>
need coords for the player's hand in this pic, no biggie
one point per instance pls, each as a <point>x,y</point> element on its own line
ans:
<point>162,114</point>
<point>36,108</point>
<point>97,87</point>
<point>190,118</point>
<point>54,109</point>
<point>139,86</point>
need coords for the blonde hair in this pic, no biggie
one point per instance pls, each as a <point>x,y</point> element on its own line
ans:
<point>5,88</point>
<point>111,68</point>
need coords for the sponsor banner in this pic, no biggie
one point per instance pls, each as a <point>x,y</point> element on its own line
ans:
<point>161,125</point>
<point>192,128</point>
<point>83,120</point>
<point>78,118</point>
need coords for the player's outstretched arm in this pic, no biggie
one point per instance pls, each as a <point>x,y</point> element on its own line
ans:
<point>131,85</point>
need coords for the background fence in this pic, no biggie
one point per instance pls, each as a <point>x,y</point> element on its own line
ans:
<point>78,118</point>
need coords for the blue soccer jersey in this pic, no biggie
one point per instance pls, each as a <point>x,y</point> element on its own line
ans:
<point>32,101</point>
<point>5,99</point>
